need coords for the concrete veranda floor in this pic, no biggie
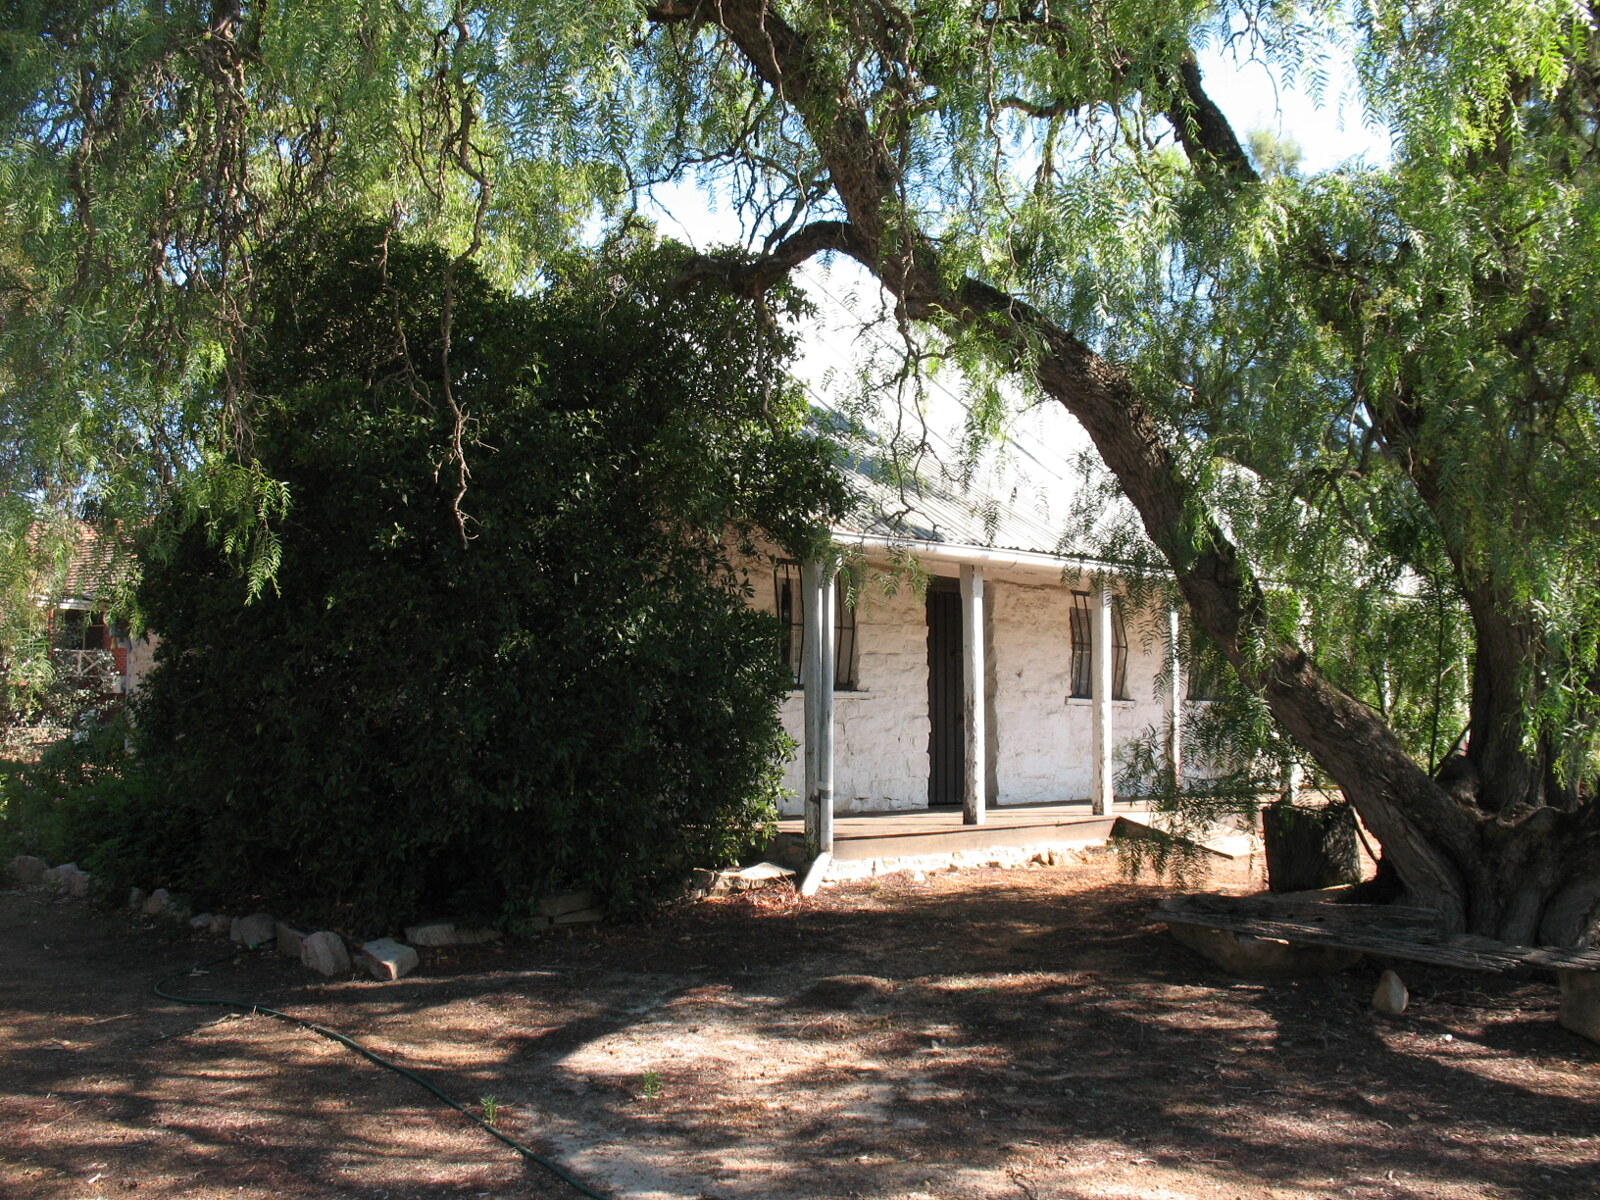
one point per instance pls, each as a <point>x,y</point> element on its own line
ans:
<point>919,831</point>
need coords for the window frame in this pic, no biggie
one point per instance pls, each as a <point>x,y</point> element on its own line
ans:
<point>790,605</point>
<point>1081,664</point>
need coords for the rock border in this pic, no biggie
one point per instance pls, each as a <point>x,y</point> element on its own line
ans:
<point>325,951</point>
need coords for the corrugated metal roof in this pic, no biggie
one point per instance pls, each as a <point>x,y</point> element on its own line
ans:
<point>1019,495</point>
<point>931,510</point>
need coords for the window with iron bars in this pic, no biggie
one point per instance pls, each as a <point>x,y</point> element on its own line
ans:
<point>1083,649</point>
<point>792,613</point>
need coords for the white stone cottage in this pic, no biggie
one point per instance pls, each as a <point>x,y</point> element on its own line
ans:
<point>1010,677</point>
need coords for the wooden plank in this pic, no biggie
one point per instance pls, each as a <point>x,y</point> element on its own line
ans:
<point>1288,931</point>
<point>1317,907</point>
<point>1397,933</point>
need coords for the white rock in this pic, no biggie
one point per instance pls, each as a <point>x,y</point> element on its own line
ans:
<point>67,878</point>
<point>1390,996</point>
<point>56,876</point>
<point>136,898</point>
<point>763,871</point>
<point>563,902</point>
<point>1580,1002</point>
<point>388,959</point>
<point>27,869</point>
<point>448,933</point>
<point>155,902</point>
<point>202,921</point>
<point>324,953</point>
<point>584,916</point>
<point>253,930</point>
<point>289,940</point>
<point>220,926</point>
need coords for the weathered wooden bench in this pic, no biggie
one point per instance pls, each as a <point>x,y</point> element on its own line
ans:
<point>1343,932</point>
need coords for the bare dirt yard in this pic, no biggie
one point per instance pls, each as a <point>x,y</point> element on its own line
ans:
<point>1021,1034</point>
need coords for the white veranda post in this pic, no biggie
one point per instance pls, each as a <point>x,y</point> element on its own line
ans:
<point>1174,699</point>
<point>816,675</point>
<point>1100,730</point>
<point>972,784</point>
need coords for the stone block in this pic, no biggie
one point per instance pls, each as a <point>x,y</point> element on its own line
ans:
<point>388,959</point>
<point>1390,996</point>
<point>448,933</point>
<point>155,902</point>
<point>254,929</point>
<point>583,916</point>
<point>220,926</point>
<point>56,876</point>
<point>763,872</point>
<point>562,903</point>
<point>1580,1003</point>
<point>1262,958</point>
<point>67,878</point>
<point>741,879</point>
<point>325,953</point>
<point>202,921</point>
<point>28,870</point>
<point>289,939</point>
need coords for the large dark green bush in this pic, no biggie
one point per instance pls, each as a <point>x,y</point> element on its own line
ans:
<point>554,682</point>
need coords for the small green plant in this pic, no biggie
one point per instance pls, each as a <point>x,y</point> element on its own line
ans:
<point>650,1085</point>
<point>491,1109</point>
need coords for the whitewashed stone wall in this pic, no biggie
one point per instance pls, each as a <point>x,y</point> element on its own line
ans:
<point>880,739</point>
<point>1040,733</point>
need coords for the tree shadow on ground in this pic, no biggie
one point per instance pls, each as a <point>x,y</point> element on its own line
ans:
<point>997,1033</point>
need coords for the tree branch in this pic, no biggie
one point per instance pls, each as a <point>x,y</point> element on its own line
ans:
<point>1044,112</point>
<point>749,277</point>
<point>1204,132</point>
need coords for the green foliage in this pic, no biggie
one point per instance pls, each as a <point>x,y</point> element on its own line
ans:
<point>1273,153</point>
<point>81,800</point>
<point>575,692</point>
<point>1372,389</point>
<point>1403,655</point>
<point>147,153</point>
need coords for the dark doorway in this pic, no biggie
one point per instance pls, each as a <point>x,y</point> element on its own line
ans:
<point>947,742</point>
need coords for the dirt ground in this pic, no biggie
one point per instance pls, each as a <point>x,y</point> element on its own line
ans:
<point>1022,1034</point>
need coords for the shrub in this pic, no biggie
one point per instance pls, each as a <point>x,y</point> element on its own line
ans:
<point>553,682</point>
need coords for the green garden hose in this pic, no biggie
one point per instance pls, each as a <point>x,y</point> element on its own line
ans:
<point>333,1035</point>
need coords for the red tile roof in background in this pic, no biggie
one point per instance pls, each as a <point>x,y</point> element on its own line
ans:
<point>96,563</point>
